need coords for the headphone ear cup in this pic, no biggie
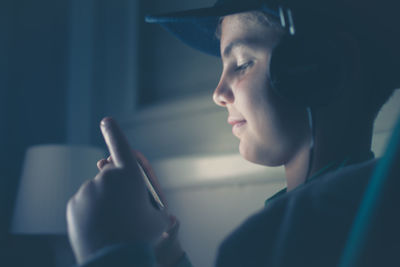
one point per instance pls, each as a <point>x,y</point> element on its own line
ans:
<point>307,71</point>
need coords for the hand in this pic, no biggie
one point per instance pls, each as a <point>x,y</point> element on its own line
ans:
<point>113,207</point>
<point>141,159</point>
<point>168,249</point>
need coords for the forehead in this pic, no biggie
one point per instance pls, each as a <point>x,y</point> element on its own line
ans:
<point>246,28</point>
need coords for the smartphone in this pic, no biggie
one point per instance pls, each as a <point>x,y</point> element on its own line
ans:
<point>154,197</point>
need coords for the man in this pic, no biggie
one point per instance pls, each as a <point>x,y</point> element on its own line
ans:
<point>302,89</point>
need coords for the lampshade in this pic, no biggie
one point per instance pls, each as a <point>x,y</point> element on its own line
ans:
<point>51,174</point>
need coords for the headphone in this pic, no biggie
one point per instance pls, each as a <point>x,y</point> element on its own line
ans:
<point>307,66</point>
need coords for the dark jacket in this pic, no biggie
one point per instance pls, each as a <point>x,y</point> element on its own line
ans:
<point>308,226</point>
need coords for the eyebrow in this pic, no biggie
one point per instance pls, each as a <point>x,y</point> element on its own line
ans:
<point>228,49</point>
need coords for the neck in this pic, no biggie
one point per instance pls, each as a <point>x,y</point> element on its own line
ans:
<point>329,148</point>
<point>336,150</point>
<point>296,169</point>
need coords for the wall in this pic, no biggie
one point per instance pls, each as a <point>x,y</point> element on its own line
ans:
<point>33,56</point>
<point>167,75</point>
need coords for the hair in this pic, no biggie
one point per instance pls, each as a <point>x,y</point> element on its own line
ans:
<point>258,16</point>
<point>378,88</point>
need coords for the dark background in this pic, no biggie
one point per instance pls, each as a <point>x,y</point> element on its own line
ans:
<point>42,102</point>
<point>33,56</point>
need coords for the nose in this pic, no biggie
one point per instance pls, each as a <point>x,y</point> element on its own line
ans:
<point>223,94</point>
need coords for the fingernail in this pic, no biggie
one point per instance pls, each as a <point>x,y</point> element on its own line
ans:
<point>165,235</point>
<point>105,121</point>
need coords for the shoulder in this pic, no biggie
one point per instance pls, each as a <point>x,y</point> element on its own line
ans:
<point>306,226</point>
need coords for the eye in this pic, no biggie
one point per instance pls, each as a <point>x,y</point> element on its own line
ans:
<point>243,66</point>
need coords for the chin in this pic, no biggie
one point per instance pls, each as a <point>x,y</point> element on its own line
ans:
<point>258,156</point>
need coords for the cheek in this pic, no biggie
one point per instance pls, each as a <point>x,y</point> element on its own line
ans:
<point>268,121</point>
<point>253,98</point>
<point>289,126</point>
<point>276,130</point>
<point>252,90</point>
<point>260,104</point>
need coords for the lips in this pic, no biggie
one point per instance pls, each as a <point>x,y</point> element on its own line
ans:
<point>233,121</point>
<point>237,124</point>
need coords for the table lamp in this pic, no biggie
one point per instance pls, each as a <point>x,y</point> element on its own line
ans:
<point>51,175</point>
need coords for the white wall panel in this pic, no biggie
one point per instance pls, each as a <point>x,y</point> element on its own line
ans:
<point>208,214</point>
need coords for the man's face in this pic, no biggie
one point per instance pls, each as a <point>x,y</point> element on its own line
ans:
<point>270,130</point>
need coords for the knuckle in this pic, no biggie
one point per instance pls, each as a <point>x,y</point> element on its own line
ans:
<point>84,190</point>
<point>100,164</point>
<point>108,173</point>
<point>109,176</point>
<point>70,203</point>
<point>87,185</point>
<point>71,206</point>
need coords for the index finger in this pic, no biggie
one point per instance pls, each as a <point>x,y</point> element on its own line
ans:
<point>117,144</point>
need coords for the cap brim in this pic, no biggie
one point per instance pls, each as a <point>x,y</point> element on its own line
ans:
<point>198,33</point>
<point>197,27</point>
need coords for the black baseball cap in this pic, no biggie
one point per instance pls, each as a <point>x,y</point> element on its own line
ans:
<point>371,19</point>
<point>374,23</point>
<point>197,27</point>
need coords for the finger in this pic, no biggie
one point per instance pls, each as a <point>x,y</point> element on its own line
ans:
<point>173,227</point>
<point>108,170</point>
<point>172,231</point>
<point>117,144</point>
<point>154,188</point>
<point>101,163</point>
